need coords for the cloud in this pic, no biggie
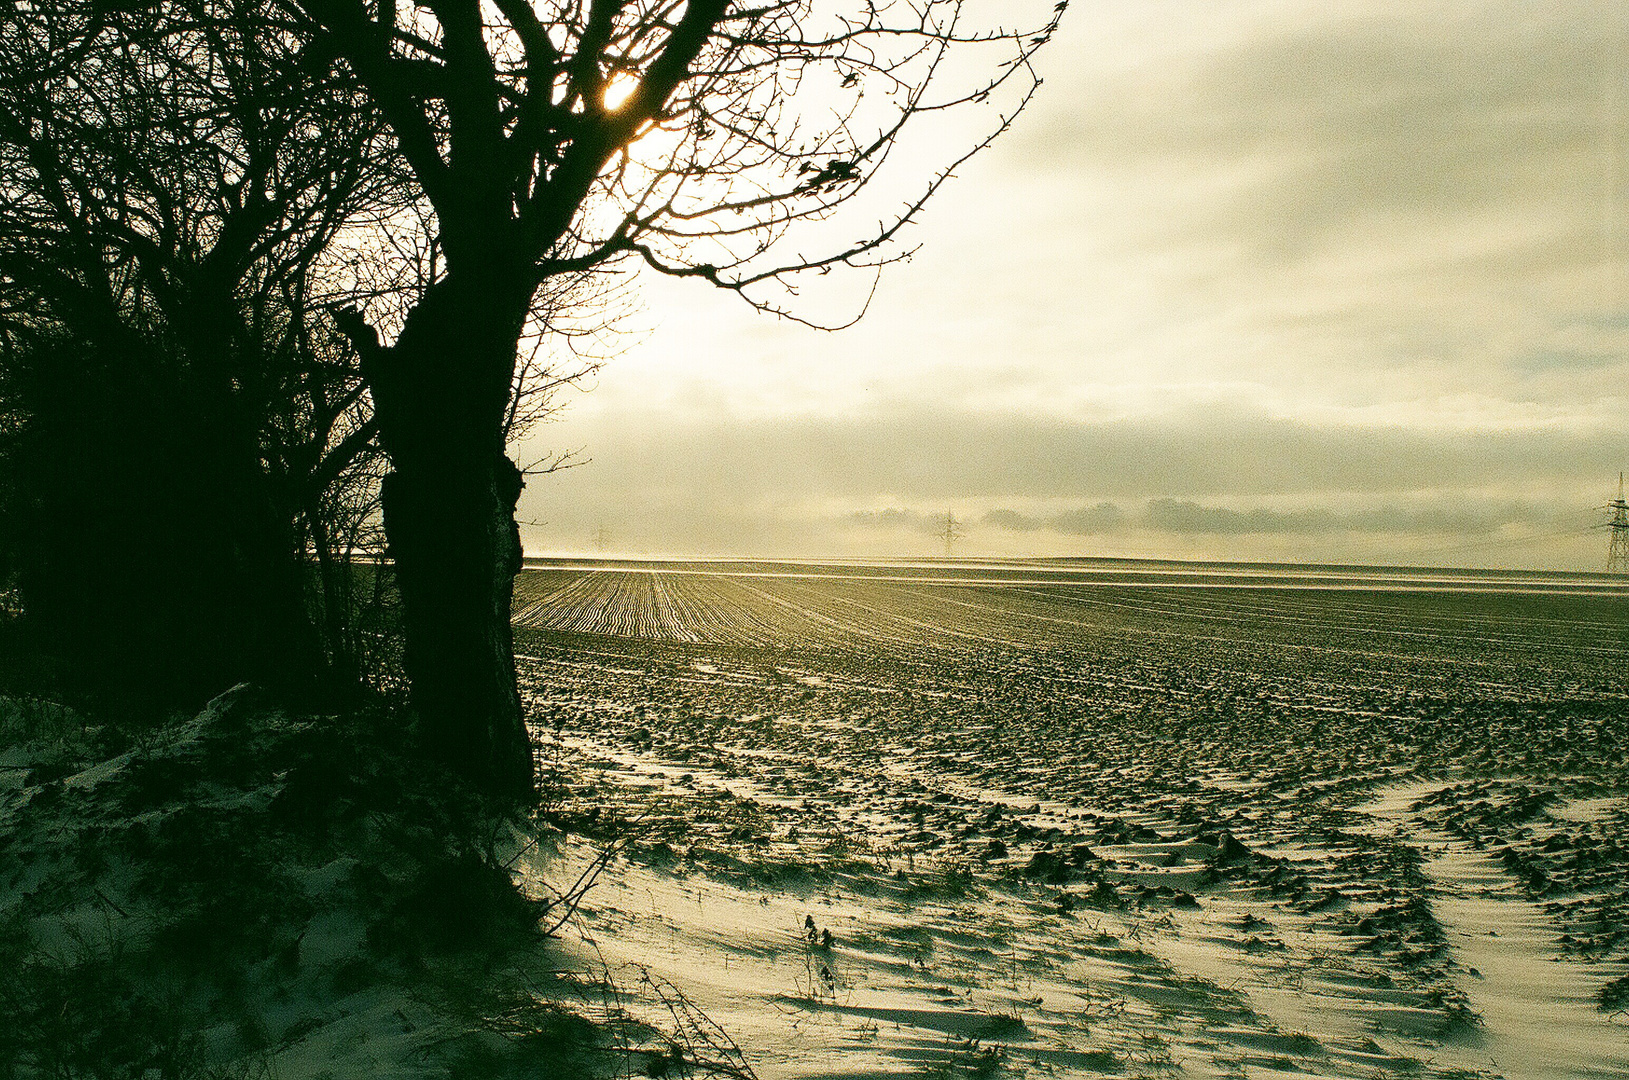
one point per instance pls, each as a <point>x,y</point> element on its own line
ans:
<point>1012,520</point>
<point>1465,520</point>
<point>1087,520</point>
<point>1383,111</point>
<point>1411,200</point>
<point>928,456</point>
<point>894,518</point>
<point>1184,517</point>
<point>1178,516</point>
<point>1105,517</point>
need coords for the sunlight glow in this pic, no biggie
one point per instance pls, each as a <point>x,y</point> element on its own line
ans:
<point>621,88</point>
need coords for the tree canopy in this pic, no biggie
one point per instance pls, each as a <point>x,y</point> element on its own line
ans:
<point>694,136</point>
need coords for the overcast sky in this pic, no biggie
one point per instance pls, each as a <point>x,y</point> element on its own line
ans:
<point>1251,279</point>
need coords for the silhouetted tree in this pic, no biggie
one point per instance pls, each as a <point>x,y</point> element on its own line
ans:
<point>553,137</point>
<point>184,426</point>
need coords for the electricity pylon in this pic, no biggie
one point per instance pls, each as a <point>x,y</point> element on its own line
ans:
<point>952,533</point>
<point>1617,549</point>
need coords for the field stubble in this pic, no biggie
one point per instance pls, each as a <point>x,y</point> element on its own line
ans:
<point>1030,826</point>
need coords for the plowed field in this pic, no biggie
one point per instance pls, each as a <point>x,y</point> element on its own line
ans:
<point>1073,821</point>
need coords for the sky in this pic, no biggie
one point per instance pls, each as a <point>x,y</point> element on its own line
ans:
<point>1250,279</point>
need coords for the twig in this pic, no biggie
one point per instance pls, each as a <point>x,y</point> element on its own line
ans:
<point>573,897</point>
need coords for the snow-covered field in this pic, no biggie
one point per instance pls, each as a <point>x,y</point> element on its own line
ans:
<point>1059,819</point>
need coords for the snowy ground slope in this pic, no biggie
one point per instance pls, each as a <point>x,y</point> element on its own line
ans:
<point>249,893</point>
<point>1065,828</point>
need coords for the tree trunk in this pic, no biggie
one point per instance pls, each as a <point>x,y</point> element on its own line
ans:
<point>449,505</point>
<point>456,550</point>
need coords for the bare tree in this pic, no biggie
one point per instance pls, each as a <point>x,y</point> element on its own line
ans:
<point>186,423</point>
<point>702,138</point>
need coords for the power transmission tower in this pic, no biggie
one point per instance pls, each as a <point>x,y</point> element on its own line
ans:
<point>1617,550</point>
<point>952,533</point>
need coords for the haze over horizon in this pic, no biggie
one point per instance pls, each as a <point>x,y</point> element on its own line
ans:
<point>1253,280</point>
